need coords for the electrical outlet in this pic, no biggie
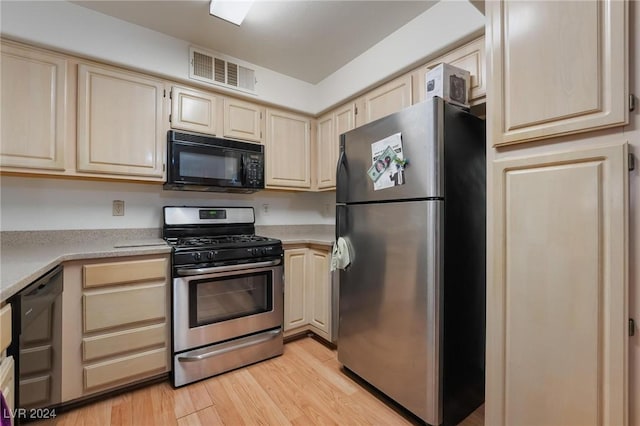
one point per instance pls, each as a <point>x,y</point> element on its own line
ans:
<point>118,208</point>
<point>327,209</point>
<point>265,208</point>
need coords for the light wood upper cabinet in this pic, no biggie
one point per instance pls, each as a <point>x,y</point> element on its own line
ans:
<point>120,126</point>
<point>33,108</point>
<point>470,57</point>
<point>557,300</point>
<point>243,120</point>
<point>327,146</point>
<point>387,99</point>
<point>329,129</point>
<point>193,110</point>
<point>556,68</point>
<point>288,150</point>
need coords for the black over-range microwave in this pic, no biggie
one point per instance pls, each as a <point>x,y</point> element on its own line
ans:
<point>205,163</point>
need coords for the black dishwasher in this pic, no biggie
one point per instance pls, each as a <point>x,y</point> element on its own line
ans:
<point>36,346</point>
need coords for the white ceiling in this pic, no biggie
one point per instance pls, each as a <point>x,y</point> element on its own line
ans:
<point>307,40</point>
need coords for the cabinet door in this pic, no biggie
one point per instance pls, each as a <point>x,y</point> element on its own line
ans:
<point>557,303</point>
<point>556,67</point>
<point>243,120</point>
<point>295,292</point>
<point>7,382</point>
<point>288,150</point>
<point>5,327</point>
<point>120,128</point>
<point>470,57</point>
<point>327,147</point>
<point>33,108</point>
<point>319,282</point>
<point>193,110</point>
<point>388,98</point>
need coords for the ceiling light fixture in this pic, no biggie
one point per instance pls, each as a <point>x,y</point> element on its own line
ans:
<point>233,11</point>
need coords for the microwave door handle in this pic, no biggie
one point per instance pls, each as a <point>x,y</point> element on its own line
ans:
<point>243,176</point>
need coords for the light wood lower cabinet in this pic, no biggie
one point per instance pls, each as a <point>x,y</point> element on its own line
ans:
<point>115,323</point>
<point>557,307</point>
<point>5,327</point>
<point>307,296</point>
<point>7,370</point>
<point>7,382</point>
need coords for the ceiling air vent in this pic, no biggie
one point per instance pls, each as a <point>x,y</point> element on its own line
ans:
<point>205,66</point>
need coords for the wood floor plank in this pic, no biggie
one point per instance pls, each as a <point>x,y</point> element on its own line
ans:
<point>296,402</point>
<point>282,390</point>
<point>303,387</point>
<point>122,410</point>
<point>189,399</point>
<point>257,406</point>
<point>323,392</point>
<point>317,349</point>
<point>225,407</point>
<point>340,382</point>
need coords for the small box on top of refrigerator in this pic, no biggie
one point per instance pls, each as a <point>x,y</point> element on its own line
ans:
<point>449,83</point>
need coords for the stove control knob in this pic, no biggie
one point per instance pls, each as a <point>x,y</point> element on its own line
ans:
<point>197,257</point>
<point>210,255</point>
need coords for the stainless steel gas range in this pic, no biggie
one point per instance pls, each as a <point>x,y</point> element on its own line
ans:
<point>227,291</point>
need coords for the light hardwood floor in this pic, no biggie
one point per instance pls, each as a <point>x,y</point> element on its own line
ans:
<point>305,386</point>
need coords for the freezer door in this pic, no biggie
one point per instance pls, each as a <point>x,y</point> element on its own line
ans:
<point>391,302</point>
<point>421,130</point>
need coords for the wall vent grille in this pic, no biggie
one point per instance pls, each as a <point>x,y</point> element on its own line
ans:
<point>206,67</point>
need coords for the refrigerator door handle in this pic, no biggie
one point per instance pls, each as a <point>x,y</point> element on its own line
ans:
<point>341,211</point>
<point>341,181</point>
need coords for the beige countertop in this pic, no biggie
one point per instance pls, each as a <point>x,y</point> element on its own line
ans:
<point>299,234</point>
<point>27,255</point>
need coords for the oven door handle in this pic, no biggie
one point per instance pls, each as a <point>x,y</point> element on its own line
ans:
<point>183,272</point>
<point>232,346</point>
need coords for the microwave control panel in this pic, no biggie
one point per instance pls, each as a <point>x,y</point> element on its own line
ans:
<point>254,171</point>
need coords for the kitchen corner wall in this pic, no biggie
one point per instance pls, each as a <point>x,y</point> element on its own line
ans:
<point>50,204</point>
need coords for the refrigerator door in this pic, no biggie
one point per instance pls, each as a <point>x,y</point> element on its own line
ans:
<point>421,129</point>
<point>390,301</point>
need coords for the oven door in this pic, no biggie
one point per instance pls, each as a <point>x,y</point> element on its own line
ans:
<point>211,305</point>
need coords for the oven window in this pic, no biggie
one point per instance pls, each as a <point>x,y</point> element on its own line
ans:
<point>226,298</point>
<point>224,167</point>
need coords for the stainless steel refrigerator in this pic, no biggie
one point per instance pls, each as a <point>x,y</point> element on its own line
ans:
<point>412,300</point>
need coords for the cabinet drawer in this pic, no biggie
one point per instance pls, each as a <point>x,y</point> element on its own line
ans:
<point>123,341</point>
<point>102,274</point>
<point>35,391</point>
<point>125,369</point>
<point>5,327</point>
<point>123,306</point>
